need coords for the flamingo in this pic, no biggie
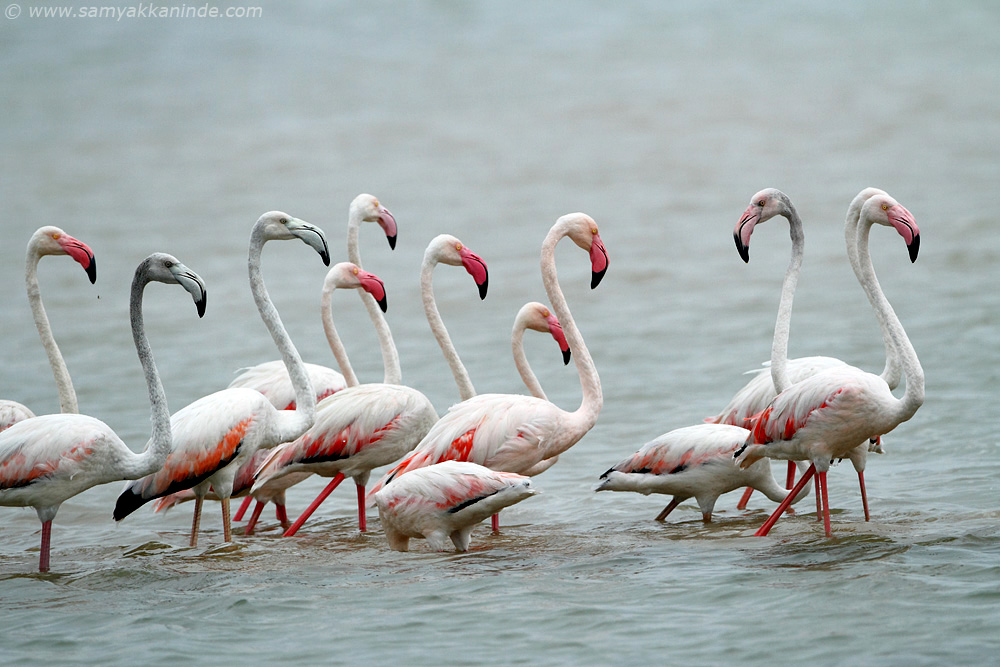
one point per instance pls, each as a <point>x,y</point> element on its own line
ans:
<point>446,500</point>
<point>374,425</point>
<point>216,434</point>
<point>825,416</point>
<point>693,461</point>
<point>759,391</point>
<point>515,433</point>
<point>49,240</point>
<point>49,459</point>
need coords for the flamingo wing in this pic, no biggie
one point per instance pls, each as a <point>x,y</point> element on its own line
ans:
<point>271,379</point>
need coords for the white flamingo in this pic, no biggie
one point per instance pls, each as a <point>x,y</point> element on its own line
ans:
<point>446,501</point>
<point>761,389</point>
<point>45,241</point>
<point>216,434</point>
<point>49,459</point>
<point>515,433</point>
<point>825,416</point>
<point>373,425</point>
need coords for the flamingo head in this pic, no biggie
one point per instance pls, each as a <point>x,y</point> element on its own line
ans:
<point>51,240</point>
<point>346,275</point>
<point>764,205</point>
<point>538,317</point>
<point>367,208</point>
<point>447,249</point>
<point>278,226</point>
<point>164,268</point>
<point>884,210</point>
<point>582,229</point>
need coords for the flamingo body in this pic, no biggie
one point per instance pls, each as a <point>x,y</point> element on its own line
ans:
<point>445,501</point>
<point>271,379</point>
<point>12,412</point>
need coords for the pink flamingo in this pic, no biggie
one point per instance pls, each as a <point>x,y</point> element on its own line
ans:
<point>49,240</point>
<point>756,394</point>
<point>515,433</point>
<point>216,434</point>
<point>372,425</point>
<point>694,461</point>
<point>446,500</point>
<point>49,459</point>
<point>825,416</point>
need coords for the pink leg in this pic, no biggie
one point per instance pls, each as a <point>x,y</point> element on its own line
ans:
<point>790,476</point>
<point>244,506</point>
<point>495,522</point>
<point>258,508</point>
<point>864,493</point>
<point>771,520</point>
<point>281,515</point>
<point>362,515</point>
<point>43,558</point>
<point>227,524</point>
<point>819,500</point>
<point>826,504</point>
<point>316,503</point>
<point>742,505</point>
<point>674,502</point>
<point>195,521</point>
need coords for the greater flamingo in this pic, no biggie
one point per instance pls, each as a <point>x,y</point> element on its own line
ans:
<point>45,241</point>
<point>446,500</point>
<point>374,425</point>
<point>49,459</point>
<point>693,461</point>
<point>759,391</point>
<point>515,433</point>
<point>825,416</point>
<point>216,434</point>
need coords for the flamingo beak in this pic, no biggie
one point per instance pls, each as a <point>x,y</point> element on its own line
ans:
<point>905,224</point>
<point>312,236</point>
<point>598,261</point>
<point>374,286</point>
<point>82,253</point>
<point>193,283</point>
<point>476,267</point>
<point>388,224</point>
<point>744,228</point>
<point>556,330</point>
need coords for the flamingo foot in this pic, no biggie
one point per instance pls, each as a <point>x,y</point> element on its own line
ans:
<point>294,528</point>
<point>258,508</point>
<point>742,505</point>
<point>43,557</point>
<point>771,520</point>
<point>864,494</point>
<point>244,506</point>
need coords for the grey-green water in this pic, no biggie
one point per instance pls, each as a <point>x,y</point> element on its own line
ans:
<point>488,121</point>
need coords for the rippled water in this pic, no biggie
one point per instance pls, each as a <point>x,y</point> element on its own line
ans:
<point>488,121</point>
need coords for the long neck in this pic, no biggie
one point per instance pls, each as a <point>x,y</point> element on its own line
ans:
<point>390,357</point>
<point>67,395</point>
<point>156,452</point>
<point>465,388</point>
<point>593,399</point>
<point>892,371</point>
<point>523,367</point>
<point>913,396</point>
<point>291,423</point>
<point>779,346</point>
<point>333,338</point>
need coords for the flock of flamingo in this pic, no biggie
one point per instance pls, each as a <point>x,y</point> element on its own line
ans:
<point>282,421</point>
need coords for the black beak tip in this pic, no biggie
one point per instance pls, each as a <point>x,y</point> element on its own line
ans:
<point>914,248</point>
<point>742,249</point>
<point>392,242</point>
<point>566,356</point>
<point>596,277</point>
<point>325,256</point>
<point>201,303</point>
<point>92,271</point>
<point>483,286</point>
<point>383,303</point>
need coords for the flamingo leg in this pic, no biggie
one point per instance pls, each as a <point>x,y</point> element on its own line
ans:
<point>742,505</point>
<point>495,522</point>
<point>362,514</point>
<point>790,475</point>
<point>819,500</point>
<point>315,504</point>
<point>227,525</point>
<point>244,506</point>
<point>281,515</point>
<point>674,502</point>
<point>43,557</point>
<point>195,521</point>
<point>258,508</point>
<point>771,520</point>
<point>826,504</point>
<point>864,493</point>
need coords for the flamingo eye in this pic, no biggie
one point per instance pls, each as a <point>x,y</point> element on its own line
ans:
<point>458,246</point>
<point>761,202</point>
<point>283,221</point>
<point>594,231</point>
<point>885,207</point>
<point>55,236</point>
<point>355,270</point>
<point>168,264</point>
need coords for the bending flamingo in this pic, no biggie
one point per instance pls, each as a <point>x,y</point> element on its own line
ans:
<point>514,433</point>
<point>49,459</point>
<point>825,416</point>
<point>446,500</point>
<point>375,424</point>
<point>49,240</point>
<point>760,390</point>
<point>216,434</point>
<point>694,461</point>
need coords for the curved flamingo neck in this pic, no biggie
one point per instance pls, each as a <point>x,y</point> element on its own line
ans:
<point>458,371</point>
<point>590,382</point>
<point>913,396</point>
<point>390,357</point>
<point>156,453</point>
<point>522,364</point>
<point>64,384</point>
<point>290,423</point>
<point>333,338</point>
<point>779,345</point>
